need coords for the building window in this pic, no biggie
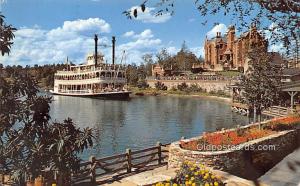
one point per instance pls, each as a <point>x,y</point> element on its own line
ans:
<point>221,46</point>
<point>221,57</point>
<point>228,57</point>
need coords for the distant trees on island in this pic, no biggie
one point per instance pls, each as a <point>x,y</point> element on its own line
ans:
<point>181,61</point>
<point>44,74</point>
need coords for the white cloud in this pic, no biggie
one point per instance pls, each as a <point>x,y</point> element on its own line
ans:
<point>198,51</point>
<point>129,34</point>
<point>195,50</point>
<point>192,20</point>
<point>146,34</point>
<point>274,46</point>
<point>172,50</point>
<point>277,48</point>
<point>87,25</point>
<point>142,40</point>
<point>141,43</point>
<point>39,46</point>
<point>148,16</point>
<point>91,25</point>
<point>218,28</point>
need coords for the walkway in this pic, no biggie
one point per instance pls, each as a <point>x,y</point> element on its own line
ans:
<point>146,178</point>
<point>285,173</point>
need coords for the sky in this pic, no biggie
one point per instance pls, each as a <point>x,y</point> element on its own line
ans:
<point>49,31</point>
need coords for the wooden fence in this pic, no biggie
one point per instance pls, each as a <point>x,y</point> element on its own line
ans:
<point>128,162</point>
<point>278,111</point>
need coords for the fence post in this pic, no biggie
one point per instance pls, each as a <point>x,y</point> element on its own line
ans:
<point>129,165</point>
<point>93,169</point>
<point>159,152</point>
<point>2,178</point>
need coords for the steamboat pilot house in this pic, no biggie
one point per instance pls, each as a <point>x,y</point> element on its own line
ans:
<point>92,79</point>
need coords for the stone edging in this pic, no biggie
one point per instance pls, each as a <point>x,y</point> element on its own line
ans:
<point>241,161</point>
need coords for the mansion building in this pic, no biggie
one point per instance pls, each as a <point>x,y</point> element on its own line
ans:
<point>229,52</point>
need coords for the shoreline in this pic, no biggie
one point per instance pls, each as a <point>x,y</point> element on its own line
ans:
<point>141,93</point>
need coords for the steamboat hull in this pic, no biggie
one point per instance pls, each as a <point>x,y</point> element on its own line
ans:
<point>104,95</point>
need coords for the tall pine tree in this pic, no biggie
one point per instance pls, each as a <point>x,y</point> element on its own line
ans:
<point>261,82</point>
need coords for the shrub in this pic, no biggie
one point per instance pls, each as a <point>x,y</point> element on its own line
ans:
<point>195,88</point>
<point>173,88</point>
<point>160,86</point>
<point>142,84</point>
<point>183,87</point>
<point>218,93</point>
<point>190,174</point>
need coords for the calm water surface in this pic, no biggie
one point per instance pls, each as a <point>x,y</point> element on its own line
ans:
<point>143,121</point>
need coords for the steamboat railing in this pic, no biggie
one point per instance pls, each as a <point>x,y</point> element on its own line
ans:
<point>121,164</point>
<point>91,78</point>
<point>77,71</point>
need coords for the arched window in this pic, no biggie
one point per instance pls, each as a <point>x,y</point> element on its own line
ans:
<point>120,74</point>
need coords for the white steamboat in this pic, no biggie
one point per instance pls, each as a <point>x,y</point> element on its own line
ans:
<point>93,79</point>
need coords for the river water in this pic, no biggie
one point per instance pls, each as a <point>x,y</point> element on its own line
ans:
<point>142,121</point>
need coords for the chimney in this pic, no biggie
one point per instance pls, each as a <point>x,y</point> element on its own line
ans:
<point>96,49</point>
<point>113,49</point>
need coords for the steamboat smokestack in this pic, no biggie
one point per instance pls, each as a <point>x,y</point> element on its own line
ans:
<point>96,49</point>
<point>113,49</point>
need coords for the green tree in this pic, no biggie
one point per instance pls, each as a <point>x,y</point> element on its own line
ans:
<point>132,74</point>
<point>164,58</point>
<point>184,59</point>
<point>260,83</point>
<point>6,36</point>
<point>29,141</point>
<point>148,63</point>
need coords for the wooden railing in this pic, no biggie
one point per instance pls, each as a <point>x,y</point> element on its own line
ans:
<point>124,163</point>
<point>278,111</point>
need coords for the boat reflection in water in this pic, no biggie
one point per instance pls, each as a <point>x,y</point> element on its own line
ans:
<point>142,121</point>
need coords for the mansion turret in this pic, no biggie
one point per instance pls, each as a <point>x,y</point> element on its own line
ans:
<point>229,52</point>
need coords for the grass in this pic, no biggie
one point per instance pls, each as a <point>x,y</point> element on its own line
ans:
<point>230,73</point>
<point>153,91</point>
